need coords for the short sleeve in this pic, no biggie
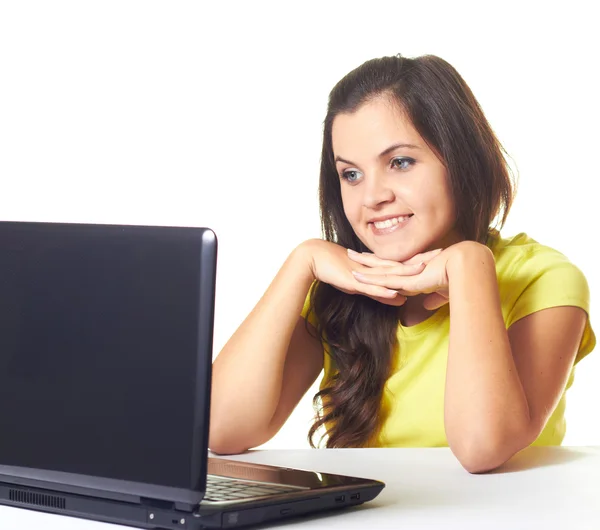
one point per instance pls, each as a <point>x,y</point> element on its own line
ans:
<point>307,313</point>
<point>328,365</point>
<point>546,278</point>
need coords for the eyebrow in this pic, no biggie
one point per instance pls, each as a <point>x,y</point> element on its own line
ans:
<point>383,153</point>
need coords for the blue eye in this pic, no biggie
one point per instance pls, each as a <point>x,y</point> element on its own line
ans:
<point>402,162</point>
<point>351,175</point>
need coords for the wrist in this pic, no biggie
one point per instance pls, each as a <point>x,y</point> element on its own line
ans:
<point>469,254</point>
<point>303,260</point>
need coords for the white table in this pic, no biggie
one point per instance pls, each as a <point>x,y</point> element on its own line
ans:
<point>541,488</point>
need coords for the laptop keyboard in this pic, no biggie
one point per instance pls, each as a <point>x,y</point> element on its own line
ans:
<point>219,489</point>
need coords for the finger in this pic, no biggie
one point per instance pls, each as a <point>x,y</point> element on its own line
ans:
<point>397,301</point>
<point>377,292</point>
<point>371,260</point>
<point>389,281</point>
<point>400,269</point>
<point>405,285</point>
<point>425,257</point>
<point>434,301</point>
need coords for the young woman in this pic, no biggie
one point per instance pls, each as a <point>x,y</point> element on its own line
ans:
<point>431,328</point>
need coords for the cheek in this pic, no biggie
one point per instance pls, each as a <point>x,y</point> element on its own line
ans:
<point>351,207</point>
<point>434,199</point>
<point>447,205</point>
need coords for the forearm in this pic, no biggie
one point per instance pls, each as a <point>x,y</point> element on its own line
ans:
<point>247,374</point>
<point>486,412</point>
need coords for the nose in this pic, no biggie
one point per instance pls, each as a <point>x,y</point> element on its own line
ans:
<point>377,192</point>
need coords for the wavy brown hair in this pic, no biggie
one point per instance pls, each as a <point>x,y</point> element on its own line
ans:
<point>359,332</point>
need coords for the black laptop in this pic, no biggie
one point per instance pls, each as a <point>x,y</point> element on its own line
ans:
<point>105,363</point>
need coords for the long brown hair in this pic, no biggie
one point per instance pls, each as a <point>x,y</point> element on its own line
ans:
<point>359,332</point>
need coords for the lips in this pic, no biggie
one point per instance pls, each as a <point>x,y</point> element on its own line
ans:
<point>387,225</point>
<point>390,221</point>
<point>386,217</point>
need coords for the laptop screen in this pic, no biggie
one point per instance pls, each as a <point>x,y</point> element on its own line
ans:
<point>98,349</point>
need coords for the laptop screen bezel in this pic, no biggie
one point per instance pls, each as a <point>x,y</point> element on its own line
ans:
<point>131,491</point>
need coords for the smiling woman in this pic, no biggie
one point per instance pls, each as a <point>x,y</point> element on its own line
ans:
<point>392,187</point>
<point>432,329</point>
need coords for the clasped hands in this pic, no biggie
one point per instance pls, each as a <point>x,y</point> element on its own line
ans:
<point>387,281</point>
<point>424,273</point>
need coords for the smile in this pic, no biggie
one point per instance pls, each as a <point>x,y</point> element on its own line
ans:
<point>389,225</point>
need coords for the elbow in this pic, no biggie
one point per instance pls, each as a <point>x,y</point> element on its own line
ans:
<point>480,461</point>
<point>225,435</point>
<point>222,439</point>
<point>224,445</point>
<point>484,453</point>
<point>231,439</point>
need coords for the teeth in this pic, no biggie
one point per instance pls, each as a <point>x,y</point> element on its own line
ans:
<point>388,223</point>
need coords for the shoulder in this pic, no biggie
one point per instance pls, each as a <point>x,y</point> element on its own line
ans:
<point>522,261</point>
<point>533,276</point>
<point>522,247</point>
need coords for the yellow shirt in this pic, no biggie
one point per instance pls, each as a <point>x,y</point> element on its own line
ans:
<point>531,277</point>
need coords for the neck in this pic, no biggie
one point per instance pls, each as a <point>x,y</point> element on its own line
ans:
<point>413,312</point>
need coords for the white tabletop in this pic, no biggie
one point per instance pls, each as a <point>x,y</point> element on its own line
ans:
<point>545,488</point>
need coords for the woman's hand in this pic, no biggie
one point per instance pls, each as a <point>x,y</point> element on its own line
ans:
<point>330,263</point>
<point>431,280</point>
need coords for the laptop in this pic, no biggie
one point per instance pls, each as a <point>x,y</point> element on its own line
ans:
<point>105,364</point>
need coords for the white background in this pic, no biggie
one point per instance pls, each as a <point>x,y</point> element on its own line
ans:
<point>210,114</point>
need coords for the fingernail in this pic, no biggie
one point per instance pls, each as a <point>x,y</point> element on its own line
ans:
<point>350,251</point>
<point>391,291</point>
<point>358,274</point>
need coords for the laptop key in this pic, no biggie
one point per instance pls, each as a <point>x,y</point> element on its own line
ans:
<point>223,489</point>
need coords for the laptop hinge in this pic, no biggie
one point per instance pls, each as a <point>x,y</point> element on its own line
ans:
<point>157,503</point>
<point>168,505</point>
<point>185,507</point>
